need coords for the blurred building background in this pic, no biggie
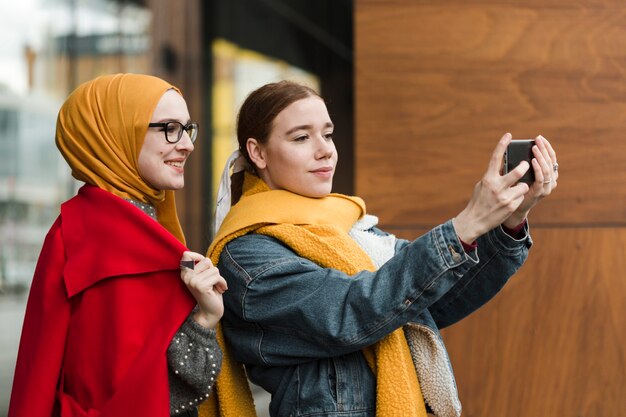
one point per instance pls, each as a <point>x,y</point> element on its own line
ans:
<point>216,51</point>
<point>420,92</point>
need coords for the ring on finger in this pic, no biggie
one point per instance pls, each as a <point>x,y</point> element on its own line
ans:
<point>555,167</point>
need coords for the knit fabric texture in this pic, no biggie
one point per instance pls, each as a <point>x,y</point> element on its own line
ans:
<point>231,395</point>
<point>317,229</point>
<point>430,358</point>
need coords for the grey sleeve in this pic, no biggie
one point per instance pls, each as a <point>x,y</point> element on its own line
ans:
<point>194,360</point>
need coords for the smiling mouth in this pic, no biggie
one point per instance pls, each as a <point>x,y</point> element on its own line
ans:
<point>175,164</point>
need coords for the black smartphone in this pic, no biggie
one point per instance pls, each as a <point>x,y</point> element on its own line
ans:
<point>518,151</point>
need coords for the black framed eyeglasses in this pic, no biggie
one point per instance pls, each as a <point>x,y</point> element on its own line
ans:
<point>174,130</point>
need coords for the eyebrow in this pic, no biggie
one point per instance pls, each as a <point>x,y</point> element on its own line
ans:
<point>306,127</point>
<point>172,119</point>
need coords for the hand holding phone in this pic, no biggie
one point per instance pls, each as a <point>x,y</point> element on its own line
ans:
<point>518,151</point>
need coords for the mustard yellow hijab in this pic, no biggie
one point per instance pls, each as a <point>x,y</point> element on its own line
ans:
<point>100,131</point>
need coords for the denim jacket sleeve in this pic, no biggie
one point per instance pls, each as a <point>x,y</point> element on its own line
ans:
<point>282,309</point>
<point>500,257</point>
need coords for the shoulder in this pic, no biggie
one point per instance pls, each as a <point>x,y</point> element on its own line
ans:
<point>253,255</point>
<point>255,243</point>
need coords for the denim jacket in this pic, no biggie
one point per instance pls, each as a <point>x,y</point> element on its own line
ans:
<point>299,328</point>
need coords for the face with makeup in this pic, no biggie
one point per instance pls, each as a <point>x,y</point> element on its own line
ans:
<point>299,154</point>
<point>161,163</point>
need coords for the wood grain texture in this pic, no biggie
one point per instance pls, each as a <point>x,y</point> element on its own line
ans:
<point>552,342</point>
<point>438,84</point>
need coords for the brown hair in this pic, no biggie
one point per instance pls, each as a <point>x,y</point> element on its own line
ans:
<point>261,107</point>
<point>256,118</point>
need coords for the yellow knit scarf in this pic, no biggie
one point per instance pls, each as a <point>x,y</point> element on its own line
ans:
<point>317,229</point>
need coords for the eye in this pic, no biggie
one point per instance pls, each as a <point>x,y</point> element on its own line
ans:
<point>301,138</point>
<point>329,136</point>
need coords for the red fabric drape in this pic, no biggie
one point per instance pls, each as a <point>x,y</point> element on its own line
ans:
<point>105,302</point>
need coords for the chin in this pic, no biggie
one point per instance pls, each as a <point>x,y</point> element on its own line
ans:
<point>319,193</point>
<point>318,190</point>
<point>173,187</point>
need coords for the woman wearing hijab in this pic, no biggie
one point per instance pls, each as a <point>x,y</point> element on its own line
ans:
<point>121,316</point>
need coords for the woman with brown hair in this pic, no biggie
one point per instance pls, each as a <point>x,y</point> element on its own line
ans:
<point>331,315</point>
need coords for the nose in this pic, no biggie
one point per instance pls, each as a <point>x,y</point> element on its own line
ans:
<point>185,144</point>
<point>325,149</point>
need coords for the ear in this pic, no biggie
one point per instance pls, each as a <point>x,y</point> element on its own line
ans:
<point>255,151</point>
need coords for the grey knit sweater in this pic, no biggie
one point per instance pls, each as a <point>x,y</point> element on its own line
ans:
<point>194,361</point>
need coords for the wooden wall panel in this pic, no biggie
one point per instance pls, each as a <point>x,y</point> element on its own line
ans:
<point>442,82</point>
<point>437,84</point>
<point>552,342</point>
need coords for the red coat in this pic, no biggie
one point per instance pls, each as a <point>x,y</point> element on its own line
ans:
<point>104,304</point>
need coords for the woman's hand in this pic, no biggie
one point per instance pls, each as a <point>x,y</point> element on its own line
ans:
<point>495,199</point>
<point>546,176</point>
<point>207,286</point>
